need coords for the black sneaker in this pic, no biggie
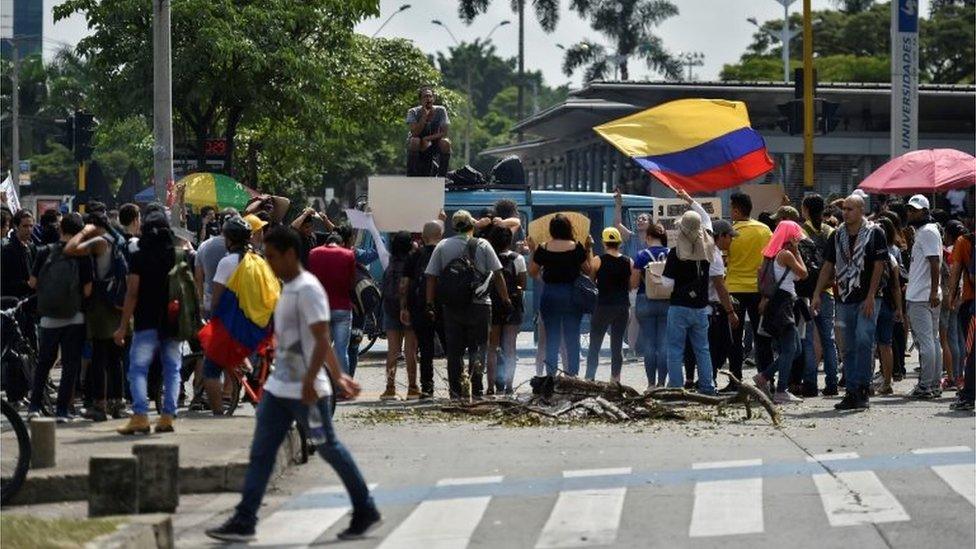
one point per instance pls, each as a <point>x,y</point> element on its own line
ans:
<point>809,390</point>
<point>849,402</point>
<point>960,405</point>
<point>863,398</point>
<point>921,393</point>
<point>360,525</point>
<point>830,391</point>
<point>235,529</point>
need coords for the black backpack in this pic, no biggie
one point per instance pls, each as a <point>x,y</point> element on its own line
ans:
<point>58,286</point>
<point>813,258</point>
<point>418,279</point>
<point>390,287</point>
<point>461,282</point>
<point>511,281</point>
<point>112,288</point>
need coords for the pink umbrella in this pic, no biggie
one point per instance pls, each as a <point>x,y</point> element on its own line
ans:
<point>924,171</point>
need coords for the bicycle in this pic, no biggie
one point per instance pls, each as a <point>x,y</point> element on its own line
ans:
<point>15,460</point>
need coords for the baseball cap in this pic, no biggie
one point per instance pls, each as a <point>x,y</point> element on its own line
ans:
<point>786,212</point>
<point>721,227</point>
<point>255,222</point>
<point>919,202</point>
<point>462,221</point>
<point>612,235</point>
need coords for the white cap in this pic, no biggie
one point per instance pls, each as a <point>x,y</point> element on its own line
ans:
<point>861,193</point>
<point>919,202</point>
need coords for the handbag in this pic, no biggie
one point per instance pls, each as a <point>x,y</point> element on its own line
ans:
<point>584,295</point>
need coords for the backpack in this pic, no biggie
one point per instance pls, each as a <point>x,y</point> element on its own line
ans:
<point>768,285</point>
<point>112,288</point>
<point>511,281</point>
<point>366,300</point>
<point>654,287</point>
<point>417,294</point>
<point>391,287</point>
<point>183,309</point>
<point>813,258</point>
<point>58,286</point>
<point>460,283</point>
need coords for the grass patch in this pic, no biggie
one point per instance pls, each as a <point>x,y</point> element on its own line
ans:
<point>27,532</point>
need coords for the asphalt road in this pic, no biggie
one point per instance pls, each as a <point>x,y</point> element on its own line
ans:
<point>902,474</point>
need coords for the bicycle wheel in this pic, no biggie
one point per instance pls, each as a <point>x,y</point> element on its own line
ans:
<point>15,458</point>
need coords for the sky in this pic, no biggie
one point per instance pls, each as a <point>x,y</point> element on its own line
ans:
<point>716,28</point>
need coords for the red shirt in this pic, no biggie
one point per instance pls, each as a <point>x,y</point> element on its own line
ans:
<point>335,267</point>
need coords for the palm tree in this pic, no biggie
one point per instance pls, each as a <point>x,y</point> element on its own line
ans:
<point>546,11</point>
<point>628,24</point>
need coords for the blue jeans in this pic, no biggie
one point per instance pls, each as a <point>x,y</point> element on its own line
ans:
<point>274,417</point>
<point>340,327</point>
<point>824,323</point>
<point>686,323</point>
<point>652,316</point>
<point>788,343</point>
<point>562,321</point>
<point>145,343</point>
<point>859,332</point>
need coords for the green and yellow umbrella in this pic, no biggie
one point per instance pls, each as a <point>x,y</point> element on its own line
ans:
<point>214,189</point>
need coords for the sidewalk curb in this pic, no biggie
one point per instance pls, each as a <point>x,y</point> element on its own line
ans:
<point>138,532</point>
<point>194,479</point>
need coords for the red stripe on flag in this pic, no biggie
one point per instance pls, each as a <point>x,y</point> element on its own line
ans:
<point>728,175</point>
<point>221,347</point>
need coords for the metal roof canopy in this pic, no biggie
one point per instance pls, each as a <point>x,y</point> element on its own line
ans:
<point>944,109</point>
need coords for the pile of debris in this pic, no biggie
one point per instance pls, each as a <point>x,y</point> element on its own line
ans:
<point>567,399</point>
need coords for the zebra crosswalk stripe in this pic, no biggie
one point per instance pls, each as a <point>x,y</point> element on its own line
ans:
<point>855,497</point>
<point>426,525</point>
<point>585,517</point>
<point>725,507</point>
<point>302,519</point>
<point>961,477</point>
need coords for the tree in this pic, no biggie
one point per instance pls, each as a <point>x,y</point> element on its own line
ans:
<point>946,43</point>
<point>232,60</point>
<point>489,73</point>
<point>629,24</point>
<point>546,12</point>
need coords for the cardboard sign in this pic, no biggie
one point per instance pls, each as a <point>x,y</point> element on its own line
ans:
<point>401,203</point>
<point>765,197</point>
<point>539,228</point>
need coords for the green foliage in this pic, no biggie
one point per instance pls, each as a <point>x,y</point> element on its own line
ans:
<point>853,44</point>
<point>54,172</point>
<point>488,73</point>
<point>629,25</point>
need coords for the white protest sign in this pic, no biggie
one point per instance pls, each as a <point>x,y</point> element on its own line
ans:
<point>401,203</point>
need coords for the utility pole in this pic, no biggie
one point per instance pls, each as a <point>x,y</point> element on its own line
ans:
<point>15,114</point>
<point>786,35</point>
<point>162,100</point>
<point>807,95</point>
<point>521,62</point>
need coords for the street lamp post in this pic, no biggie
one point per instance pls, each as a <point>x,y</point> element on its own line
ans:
<point>404,7</point>
<point>786,35</point>
<point>467,71</point>
<point>691,59</point>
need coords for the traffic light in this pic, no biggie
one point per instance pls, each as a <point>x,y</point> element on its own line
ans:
<point>66,135</point>
<point>827,118</point>
<point>84,129</point>
<point>791,120</point>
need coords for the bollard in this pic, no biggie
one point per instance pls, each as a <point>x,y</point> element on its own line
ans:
<point>159,476</point>
<point>113,485</point>
<point>43,442</point>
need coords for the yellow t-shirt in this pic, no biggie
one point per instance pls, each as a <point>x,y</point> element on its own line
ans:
<point>745,256</point>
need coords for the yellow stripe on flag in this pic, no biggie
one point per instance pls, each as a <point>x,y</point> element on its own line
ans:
<point>674,126</point>
<point>256,287</point>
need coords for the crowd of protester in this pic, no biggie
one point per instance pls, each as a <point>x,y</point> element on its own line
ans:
<point>829,284</point>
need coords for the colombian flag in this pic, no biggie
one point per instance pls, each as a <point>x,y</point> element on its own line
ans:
<point>241,322</point>
<point>699,145</point>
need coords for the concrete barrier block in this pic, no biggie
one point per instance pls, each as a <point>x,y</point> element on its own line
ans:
<point>159,476</point>
<point>113,485</point>
<point>43,432</point>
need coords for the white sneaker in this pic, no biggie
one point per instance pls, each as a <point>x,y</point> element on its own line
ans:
<point>786,397</point>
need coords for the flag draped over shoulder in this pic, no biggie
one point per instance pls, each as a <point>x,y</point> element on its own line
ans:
<point>699,145</point>
<point>241,321</point>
